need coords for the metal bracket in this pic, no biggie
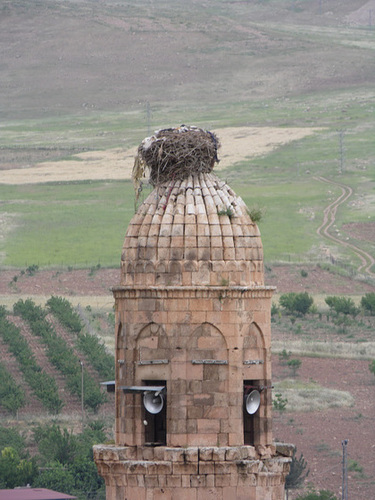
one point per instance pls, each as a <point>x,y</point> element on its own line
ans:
<point>209,361</point>
<point>253,362</point>
<point>141,389</point>
<point>110,386</point>
<point>153,362</point>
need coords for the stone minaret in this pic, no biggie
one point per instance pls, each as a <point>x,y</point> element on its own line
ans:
<point>193,341</point>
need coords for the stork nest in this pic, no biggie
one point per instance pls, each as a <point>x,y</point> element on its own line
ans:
<point>175,153</point>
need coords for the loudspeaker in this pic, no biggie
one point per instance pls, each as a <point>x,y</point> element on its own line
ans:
<point>153,403</point>
<point>252,402</point>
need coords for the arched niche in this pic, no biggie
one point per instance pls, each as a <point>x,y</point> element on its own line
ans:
<point>119,336</point>
<point>253,345</point>
<point>208,347</point>
<point>152,344</point>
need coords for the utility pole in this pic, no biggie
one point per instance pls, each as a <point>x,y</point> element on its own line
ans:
<point>344,495</point>
<point>82,398</point>
<point>342,152</point>
<point>148,116</point>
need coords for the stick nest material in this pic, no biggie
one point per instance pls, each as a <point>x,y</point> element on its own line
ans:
<point>174,154</point>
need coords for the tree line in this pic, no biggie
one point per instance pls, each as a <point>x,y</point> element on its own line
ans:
<point>59,353</point>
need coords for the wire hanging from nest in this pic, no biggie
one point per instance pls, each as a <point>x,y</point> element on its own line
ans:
<point>175,153</point>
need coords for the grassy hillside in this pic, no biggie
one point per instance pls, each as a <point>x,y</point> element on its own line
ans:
<point>84,75</point>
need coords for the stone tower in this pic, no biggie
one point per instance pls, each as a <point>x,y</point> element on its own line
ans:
<point>193,338</point>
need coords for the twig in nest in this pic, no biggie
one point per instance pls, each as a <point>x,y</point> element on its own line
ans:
<point>175,154</point>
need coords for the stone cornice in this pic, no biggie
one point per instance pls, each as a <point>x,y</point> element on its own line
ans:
<point>133,292</point>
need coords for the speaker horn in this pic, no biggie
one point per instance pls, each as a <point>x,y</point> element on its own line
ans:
<point>252,402</point>
<point>153,402</point>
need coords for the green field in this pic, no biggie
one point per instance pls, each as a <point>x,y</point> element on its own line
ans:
<point>93,76</point>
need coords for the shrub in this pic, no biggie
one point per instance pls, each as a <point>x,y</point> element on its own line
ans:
<point>321,495</point>
<point>368,303</point>
<point>297,473</point>
<point>31,270</point>
<point>67,460</point>
<point>294,365</point>
<point>88,344</point>
<point>342,305</point>
<point>11,437</point>
<point>12,396</point>
<point>372,366</point>
<point>44,386</point>
<point>279,403</point>
<point>60,354</point>
<point>296,303</point>
<point>284,356</point>
<point>274,309</point>
<point>256,214</point>
<point>29,310</point>
<point>14,470</point>
<point>63,310</point>
<point>101,360</point>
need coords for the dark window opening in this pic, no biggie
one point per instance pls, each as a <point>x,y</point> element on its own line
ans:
<point>155,425</point>
<point>250,421</point>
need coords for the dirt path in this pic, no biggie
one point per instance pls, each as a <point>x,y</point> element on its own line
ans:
<point>329,218</point>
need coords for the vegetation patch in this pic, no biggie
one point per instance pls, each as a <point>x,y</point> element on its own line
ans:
<point>42,384</point>
<point>309,396</point>
<point>61,355</point>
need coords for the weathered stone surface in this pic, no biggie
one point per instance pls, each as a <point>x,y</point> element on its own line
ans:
<point>191,312</point>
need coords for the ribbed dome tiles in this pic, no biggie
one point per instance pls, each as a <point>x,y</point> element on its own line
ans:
<point>192,232</point>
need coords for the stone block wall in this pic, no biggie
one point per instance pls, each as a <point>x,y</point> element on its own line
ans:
<point>193,473</point>
<point>204,343</point>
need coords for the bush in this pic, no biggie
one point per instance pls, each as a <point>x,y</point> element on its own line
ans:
<point>297,473</point>
<point>60,354</point>
<point>321,495</point>
<point>44,386</point>
<point>342,305</point>
<point>14,470</point>
<point>368,303</point>
<point>294,365</point>
<point>372,366</point>
<point>31,270</point>
<point>29,311</point>
<point>296,303</point>
<point>56,476</point>
<point>67,459</point>
<point>63,310</point>
<point>12,396</point>
<point>101,360</point>
<point>279,403</point>
<point>86,343</point>
<point>284,356</point>
<point>10,437</point>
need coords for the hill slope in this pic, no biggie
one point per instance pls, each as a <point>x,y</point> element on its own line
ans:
<point>74,57</point>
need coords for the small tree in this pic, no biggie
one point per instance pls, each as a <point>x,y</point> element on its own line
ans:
<point>14,470</point>
<point>296,303</point>
<point>368,303</point>
<point>279,403</point>
<point>284,356</point>
<point>321,495</point>
<point>294,365</point>
<point>342,305</point>
<point>297,473</point>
